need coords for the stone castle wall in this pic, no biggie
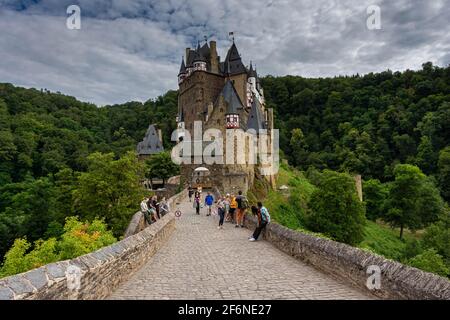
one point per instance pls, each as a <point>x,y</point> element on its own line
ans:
<point>350,264</point>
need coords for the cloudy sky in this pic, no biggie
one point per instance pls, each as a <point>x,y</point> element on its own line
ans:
<point>131,49</point>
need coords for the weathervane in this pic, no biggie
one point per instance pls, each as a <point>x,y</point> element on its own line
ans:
<point>231,34</point>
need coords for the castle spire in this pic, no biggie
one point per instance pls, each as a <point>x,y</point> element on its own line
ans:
<point>182,67</point>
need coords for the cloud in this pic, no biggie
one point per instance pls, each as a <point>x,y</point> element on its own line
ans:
<point>130,50</point>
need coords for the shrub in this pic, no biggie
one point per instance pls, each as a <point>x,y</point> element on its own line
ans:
<point>78,238</point>
<point>430,261</point>
<point>336,210</point>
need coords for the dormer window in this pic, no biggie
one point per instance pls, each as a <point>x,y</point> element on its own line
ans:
<point>232,121</point>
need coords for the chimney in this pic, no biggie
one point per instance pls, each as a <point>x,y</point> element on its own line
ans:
<point>214,57</point>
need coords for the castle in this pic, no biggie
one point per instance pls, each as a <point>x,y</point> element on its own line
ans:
<point>224,95</point>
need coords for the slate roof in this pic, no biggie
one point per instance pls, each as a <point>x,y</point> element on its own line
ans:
<point>182,68</point>
<point>151,144</point>
<point>252,72</point>
<point>232,98</point>
<point>233,62</point>
<point>256,118</point>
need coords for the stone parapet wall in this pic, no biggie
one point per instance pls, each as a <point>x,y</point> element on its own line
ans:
<point>138,223</point>
<point>91,276</point>
<point>350,265</point>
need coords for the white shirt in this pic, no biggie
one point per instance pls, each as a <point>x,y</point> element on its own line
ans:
<point>144,207</point>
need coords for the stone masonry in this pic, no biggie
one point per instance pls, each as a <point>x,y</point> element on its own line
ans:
<point>202,262</point>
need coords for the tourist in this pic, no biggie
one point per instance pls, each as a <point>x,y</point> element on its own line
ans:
<point>263,219</point>
<point>209,200</point>
<point>144,210</point>
<point>155,205</point>
<point>242,205</point>
<point>233,207</point>
<point>226,203</point>
<point>221,211</point>
<point>190,192</point>
<point>164,207</point>
<point>151,204</point>
<point>196,203</point>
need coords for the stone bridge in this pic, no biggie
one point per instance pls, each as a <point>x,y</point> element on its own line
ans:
<point>187,257</point>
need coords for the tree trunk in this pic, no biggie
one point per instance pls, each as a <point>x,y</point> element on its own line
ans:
<point>401,231</point>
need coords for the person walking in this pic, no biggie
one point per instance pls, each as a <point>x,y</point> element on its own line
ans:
<point>263,219</point>
<point>221,211</point>
<point>197,202</point>
<point>242,205</point>
<point>209,200</point>
<point>190,192</point>
<point>233,207</point>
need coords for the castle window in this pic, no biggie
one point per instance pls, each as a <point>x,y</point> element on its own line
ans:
<point>218,121</point>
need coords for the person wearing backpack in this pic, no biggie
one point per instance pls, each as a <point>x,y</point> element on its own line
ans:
<point>242,205</point>
<point>263,220</point>
<point>233,207</point>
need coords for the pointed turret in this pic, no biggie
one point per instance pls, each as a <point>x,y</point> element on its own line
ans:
<point>182,67</point>
<point>183,73</point>
<point>233,62</point>
<point>252,72</point>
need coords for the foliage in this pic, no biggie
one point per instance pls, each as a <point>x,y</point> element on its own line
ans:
<point>444,172</point>
<point>45,141</point>
<point>161,166</point>
<point>336,210</point>
<point>430,261</point>
<point>364,124</point>
<point>79,238</point>
<point>413,201</point>
<point>287,208</point>
<point>437,236</point>
<point>382,240</point>
<point>375,195</point>
<point>109,189</point>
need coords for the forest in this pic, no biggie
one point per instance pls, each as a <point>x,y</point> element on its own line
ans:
<point>56,153</point>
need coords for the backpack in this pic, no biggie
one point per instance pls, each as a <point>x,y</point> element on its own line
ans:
<point>233,203</point>
<point>244,203</point>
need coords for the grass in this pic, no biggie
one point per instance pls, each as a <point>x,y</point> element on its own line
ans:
<point>289,209</point>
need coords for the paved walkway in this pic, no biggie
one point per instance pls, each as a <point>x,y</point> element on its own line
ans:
<point>201,262</point>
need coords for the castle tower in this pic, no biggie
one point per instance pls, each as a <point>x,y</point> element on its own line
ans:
<point>224,95</point>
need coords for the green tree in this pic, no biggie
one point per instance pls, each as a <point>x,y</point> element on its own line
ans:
<point>413,200</point>
<point>83,237</point>
<point>161,166</point>
<point>110,189</point>
<point>375,195</point>
<point>444,172</point>
<point>335,208</point>
<point>298,146</point>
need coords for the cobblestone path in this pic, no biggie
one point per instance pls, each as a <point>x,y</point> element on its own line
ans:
<point>201,262</point>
